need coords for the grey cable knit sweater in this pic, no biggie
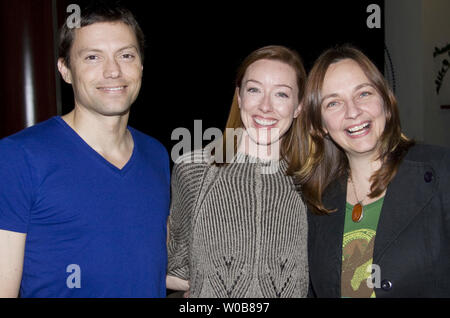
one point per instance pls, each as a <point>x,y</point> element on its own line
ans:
<point>236,231</point>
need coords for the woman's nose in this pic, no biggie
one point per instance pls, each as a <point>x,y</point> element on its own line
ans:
<point>266,104</point>
<point>352,109</point>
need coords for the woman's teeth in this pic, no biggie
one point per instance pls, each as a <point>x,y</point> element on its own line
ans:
<point>265,122</point>
<point>357,130</point>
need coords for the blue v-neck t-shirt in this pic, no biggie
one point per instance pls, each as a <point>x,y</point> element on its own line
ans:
<point>92,230</point>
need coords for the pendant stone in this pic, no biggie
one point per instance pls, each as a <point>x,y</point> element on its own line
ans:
<point>357,212</point>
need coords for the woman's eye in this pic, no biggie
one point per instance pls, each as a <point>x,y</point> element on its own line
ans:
<point>253,90</point>
<point>364,94</point>
<point>281,94</point>
<point>332,104</point>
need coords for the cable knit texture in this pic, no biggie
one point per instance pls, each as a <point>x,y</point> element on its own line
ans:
<point>237,231</point>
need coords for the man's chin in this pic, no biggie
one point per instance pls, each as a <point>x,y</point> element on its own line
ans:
<point>111,111</point>
<point>118,113</point>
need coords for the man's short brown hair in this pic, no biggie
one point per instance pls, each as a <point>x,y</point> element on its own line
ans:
<point>96,12</point>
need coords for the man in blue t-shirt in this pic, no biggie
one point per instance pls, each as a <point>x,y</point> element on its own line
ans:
<point>84,198</point>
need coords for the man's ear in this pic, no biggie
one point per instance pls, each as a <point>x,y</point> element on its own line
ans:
<point>65,71</point>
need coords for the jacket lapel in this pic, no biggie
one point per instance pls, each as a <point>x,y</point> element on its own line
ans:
<point>332,231</point>
<point>405,197</point>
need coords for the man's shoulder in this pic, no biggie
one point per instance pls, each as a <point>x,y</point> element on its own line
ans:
<point>27,150</point>
<point>34,136</point>
<point>145,139</point>
<point>149,145</point>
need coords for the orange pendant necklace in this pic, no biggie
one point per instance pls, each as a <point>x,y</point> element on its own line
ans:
<point>358,209</point>
<point>357,212</point>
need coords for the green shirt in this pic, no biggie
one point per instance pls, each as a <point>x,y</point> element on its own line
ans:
<point>357,250</point>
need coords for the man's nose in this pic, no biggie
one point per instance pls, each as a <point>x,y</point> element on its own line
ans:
<point>112,69</point>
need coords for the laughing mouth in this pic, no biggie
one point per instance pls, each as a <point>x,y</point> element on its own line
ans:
<point>358,130</point>
<point>265,122</point>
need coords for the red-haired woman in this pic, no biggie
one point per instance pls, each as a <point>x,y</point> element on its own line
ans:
<point>237,227</point>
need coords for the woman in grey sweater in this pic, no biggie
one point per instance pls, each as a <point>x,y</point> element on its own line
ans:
<point>238,226</point>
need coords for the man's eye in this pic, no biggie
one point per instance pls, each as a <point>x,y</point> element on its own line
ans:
<point>128,56</point>
<point>91,58</point>
<point>364,94</point>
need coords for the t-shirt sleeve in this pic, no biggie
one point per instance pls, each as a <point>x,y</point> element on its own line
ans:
<point>15,187</point>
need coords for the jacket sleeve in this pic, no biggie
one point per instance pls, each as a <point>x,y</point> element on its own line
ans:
<point>445,187</point>
<point>311,236</point>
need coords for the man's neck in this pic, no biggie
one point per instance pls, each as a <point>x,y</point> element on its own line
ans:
<point>107,135</point>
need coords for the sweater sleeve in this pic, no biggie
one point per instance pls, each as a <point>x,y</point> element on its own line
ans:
<point>186,183</point>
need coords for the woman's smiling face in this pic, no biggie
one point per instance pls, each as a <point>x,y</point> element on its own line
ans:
<point>268,100</point>
<point>352,109</point>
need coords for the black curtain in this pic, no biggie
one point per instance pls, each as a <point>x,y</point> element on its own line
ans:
<point>192,53</point>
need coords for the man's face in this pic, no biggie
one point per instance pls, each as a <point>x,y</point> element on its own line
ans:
<point>105,68</point>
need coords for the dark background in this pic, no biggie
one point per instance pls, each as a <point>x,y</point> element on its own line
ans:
<point>193,51</point>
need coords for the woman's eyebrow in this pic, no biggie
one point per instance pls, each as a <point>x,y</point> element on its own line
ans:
<point>357,87</point>
<point>258,82</point>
